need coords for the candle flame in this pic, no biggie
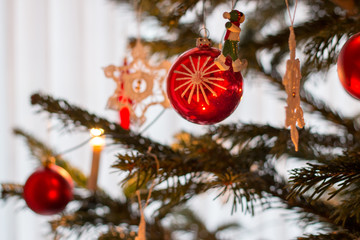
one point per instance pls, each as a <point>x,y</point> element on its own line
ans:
<point>96,132</point>
<point>98,140</point>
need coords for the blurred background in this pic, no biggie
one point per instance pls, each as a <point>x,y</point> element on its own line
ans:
<point>60,48</point>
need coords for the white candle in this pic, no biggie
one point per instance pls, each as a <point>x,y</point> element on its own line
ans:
<point>97,143</point>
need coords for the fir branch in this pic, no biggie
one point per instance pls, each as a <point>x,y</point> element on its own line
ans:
<point>313,145</point>
<point>177,194</point>
<point>311,211</point>
<point>317,106</point>
<point>75,117</point>
<point>318,36</point>
<point>343,172</point>
<point>98,210</point>
<point>41,151</point>
<point>113,212</point>
<point>10,190</point>
<point>169,13</point>
<point>348,211</point>
<point>337,235</point>
<point>230,174</point>
<point>328,114</point>
<point>95,210</point>
<point>184,220</point>
<point>197,155</point>
<point>246,188</point>
<point>117,233</point>
<point>168,47</point>
<point>264,13</point>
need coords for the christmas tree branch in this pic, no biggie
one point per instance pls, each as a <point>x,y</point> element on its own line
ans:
<point>343,172</point>
<point>339,177</point>
<point>230,174</point>
<point>9,190</point>
<point>348,211</point>
<point>41,151</point>
<point>196,158</point>
<point>183,219</point>
<point>169,13</point>
<point>114,212</point>
<point>76,117</point>
<point>169,48</point>
<point>313,146</point>
<point>95,210</point>
<point>248,187</point>
<point>119,216</point>
<point>117,233</point>
<point>320,107</point>
<point>314,211</point>
<point>336,235</point>
<point>320,29</point>
<point>197,155</point>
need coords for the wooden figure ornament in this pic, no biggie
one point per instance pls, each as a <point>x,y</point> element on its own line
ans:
<point>291,82</point>
<point>231,45</point>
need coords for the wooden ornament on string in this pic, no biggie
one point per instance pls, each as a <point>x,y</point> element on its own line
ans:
<point>139,85</point>
<point>142,225</point>
<point>291,82</point>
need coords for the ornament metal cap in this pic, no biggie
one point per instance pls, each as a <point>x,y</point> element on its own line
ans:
<point>48,160</point>
<point>203,42</point>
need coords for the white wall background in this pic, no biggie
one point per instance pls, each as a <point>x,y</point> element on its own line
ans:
<point>59,47</point>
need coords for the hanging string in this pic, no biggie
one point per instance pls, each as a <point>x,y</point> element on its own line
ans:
<point>138,17</point>
<point>233,3</point>
<point>204,20</point>
<point>292,18</point>
<point>74,148</point>
<point>291,81</point>
<point>153,121</point>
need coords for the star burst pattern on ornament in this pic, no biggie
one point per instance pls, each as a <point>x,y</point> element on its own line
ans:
<point>198,78</point>
<point>139,85</point>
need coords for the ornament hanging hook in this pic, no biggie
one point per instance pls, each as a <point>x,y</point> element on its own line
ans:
<point>137,5</point>
<point>292,42</point>
<point>206,31</point>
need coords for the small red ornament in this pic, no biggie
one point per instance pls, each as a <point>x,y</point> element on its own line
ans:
<point>348,66</point>
<point>198,90</point>
<point>48,190</point>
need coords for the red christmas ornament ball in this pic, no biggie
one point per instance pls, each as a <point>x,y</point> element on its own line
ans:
<point>48,190</point>
<point>348,66</point>
<point>199,91</point>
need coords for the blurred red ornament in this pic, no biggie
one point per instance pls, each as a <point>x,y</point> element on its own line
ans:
<point>48,190</point>
<point>199,91</point>
<point>348,66</point>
